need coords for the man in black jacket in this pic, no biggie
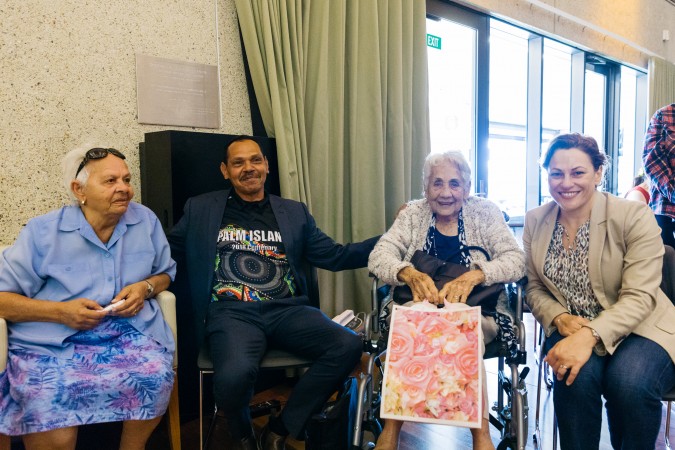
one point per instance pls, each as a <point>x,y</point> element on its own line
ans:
<point>249,257</point>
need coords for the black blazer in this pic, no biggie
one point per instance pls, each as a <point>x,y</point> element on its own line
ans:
<point>193,246</point>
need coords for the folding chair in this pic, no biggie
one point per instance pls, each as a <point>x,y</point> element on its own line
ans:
<point>273,359</point>
<point>668,287</point>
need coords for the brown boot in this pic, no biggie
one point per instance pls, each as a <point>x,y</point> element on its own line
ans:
<point>247,443</point>
<point>269,440</point>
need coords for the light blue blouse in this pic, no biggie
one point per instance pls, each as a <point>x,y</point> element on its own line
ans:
<point>58,257</point>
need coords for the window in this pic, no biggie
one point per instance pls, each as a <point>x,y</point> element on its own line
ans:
<point>500,93</point>
<point>508,118</point>
<point>556,101</point>
<point>629,156</point>
<point>452,79</point>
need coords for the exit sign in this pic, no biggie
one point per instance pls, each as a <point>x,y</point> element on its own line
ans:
<point>433,41</point>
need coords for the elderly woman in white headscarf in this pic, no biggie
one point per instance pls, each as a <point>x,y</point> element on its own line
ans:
<point>445,223</point>
<point>87,341</point>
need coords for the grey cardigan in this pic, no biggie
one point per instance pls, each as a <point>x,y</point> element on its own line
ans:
<point>484,226</point>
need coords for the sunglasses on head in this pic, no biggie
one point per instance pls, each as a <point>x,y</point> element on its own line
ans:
<point>98,153</point>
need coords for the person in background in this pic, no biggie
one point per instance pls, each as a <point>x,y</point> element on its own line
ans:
<point>248,257</point>
<point>658,157</point>
<point>640,190</point>
<point>594,271</point>
<point>443,224</point>
<point>87,341</point>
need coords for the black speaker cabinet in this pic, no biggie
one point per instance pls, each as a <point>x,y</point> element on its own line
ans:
<point>177,165</point>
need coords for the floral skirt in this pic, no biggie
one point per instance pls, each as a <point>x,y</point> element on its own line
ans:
<point>115,374</point>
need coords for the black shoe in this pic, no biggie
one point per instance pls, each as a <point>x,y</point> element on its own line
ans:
<point>247,443</point>
<point>269,440</point>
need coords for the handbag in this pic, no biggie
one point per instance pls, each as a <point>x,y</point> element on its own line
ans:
<point>442,272</point>
<point>332,427</point>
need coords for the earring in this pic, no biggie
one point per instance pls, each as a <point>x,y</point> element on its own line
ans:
<point>83,202</point>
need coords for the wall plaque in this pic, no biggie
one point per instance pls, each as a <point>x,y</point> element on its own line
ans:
<point>171,92</point>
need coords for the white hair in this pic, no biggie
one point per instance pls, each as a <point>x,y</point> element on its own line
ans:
<point>69,164</point>
<point>453,157</point>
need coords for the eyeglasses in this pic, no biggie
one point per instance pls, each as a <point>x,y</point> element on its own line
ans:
<point>98,153</point>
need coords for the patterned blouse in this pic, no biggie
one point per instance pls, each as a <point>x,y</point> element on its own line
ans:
<point>568,270</point>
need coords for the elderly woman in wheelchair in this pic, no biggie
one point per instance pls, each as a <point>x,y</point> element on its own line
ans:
<point>450,224</point>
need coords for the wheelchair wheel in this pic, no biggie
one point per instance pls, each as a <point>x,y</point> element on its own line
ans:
<point>507,442</point>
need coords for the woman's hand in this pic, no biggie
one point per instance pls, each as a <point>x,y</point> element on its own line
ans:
<point>81,313</point>
<point>571,354</point>
<point>134,299</point>
<point>568,324</point>
<point>421,285</point>
<point>458,290</point>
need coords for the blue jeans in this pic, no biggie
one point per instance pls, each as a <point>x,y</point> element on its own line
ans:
<point>239,334</point>
<point>632,380</point>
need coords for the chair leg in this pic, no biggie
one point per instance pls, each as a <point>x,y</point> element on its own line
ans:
<point>5,442</point>
<point>173,417</point>
<point>667,431</point>
<point>555,430</point>
<point>201,410</point>
<point>211,426</point>
<point>536,338</point>
<point>541,372</point>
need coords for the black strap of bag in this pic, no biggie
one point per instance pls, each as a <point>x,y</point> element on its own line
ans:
<point>443,272</point>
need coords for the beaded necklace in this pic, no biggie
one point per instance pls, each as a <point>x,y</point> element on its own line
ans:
<point>430,243</point>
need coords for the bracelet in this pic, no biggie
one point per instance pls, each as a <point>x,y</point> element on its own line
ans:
<point>150,289</point>
<point>595,334</point>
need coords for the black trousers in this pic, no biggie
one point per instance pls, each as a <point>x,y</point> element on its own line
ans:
<point>239,334</point>
<point>667,225</point>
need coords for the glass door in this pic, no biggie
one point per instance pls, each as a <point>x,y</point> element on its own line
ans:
<point>595,102</point>
<point>457,48</point>
<point>603,99</point>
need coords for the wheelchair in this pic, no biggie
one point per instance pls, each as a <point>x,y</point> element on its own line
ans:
<point>509,413</point>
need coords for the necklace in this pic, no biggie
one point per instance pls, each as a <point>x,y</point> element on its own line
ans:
<point>568,238</point>
<point>571,241</point>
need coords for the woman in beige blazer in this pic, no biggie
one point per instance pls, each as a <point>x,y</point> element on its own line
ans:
<point>594,270</point>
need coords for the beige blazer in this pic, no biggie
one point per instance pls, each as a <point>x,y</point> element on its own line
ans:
<point>625,260</point>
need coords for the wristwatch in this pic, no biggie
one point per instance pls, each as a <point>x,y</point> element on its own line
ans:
<point>150,290</point>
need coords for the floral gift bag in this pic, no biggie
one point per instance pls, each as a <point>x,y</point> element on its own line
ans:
<point>433,369</point>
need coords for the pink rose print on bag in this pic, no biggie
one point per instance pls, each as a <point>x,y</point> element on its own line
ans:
<point>432,372</point>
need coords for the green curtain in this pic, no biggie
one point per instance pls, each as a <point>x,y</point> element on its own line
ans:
<point>661,84</point>
<point>342,86</point>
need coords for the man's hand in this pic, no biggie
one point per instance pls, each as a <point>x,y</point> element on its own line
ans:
<point>458,290</point>
<point>421,285</point>
<point>81,313</point>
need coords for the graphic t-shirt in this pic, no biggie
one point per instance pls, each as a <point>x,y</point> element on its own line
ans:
<point>251,262</point>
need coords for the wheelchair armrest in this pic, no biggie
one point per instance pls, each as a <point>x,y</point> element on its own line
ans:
<point>167,303</point>
<point>3,345</point>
